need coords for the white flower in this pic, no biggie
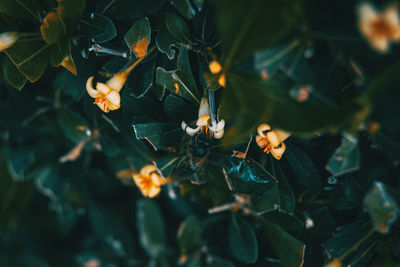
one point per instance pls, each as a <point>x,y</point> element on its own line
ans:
<point>205,124</point>
<point>379,28</point>
<point>271,140</point>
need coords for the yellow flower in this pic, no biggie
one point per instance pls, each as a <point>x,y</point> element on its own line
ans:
<point>379,27</point>
<point>204,123</point>
<point>271,140</point>
<point>149,181</point>
<point>7,39</point>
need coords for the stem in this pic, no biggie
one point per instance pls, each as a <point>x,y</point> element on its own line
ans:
<point>131,67</point>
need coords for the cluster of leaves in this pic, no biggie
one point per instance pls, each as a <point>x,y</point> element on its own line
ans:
<point>301,66</point>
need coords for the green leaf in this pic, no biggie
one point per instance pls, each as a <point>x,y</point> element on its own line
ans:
<point>179,81</point>
<point>304,169</point>
<point>267,200</point>
<point>159,134</point>
<point>100,29</point>
<point>59,51</point>
<point>52,28</point>
<point>257,28</point>
<point>138,37</point>
<point>287,198</point>
<point>129,9</point>
<point>178,29</point>
<point>150,226</point>
<point>213,261</point>
<point>289,249</point>
<point>188,235</point>
<point>165,42</point>
<point>242,240</point>
<point>141,80</point>
<point>246,175</point>
<point>22,9</point>
<point>346,157</point>
<point>71,12</point>
<point>12,75</point>
<point>286,220</point>
<point>73,125</point>
<point>184,8</point>
<point>381,207</point>
<point>166,165</point>
<point>179,110</point>
<point>30,57</point>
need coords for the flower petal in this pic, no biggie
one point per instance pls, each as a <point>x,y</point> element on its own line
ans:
<point>114,98</point>
<point>273,138</point>
<point>148,169</point>
<point>89,88</point>
<point>263,129</point>
<point>117,81</point>
<point>218,134</point>
<point>261,141</point>
<point>277,152</point>
<point>153,191</point>
<point>204,108</point>
<point>103,88</point>
<point>203,121</point>
<point>216,127</point>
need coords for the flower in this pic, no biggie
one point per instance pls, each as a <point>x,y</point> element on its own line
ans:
<point>149,181</point>
<point>205,124</point>
<point>379,28</point>
<point>216,68</point>
<point>271,140</point>
<point>7,39</point>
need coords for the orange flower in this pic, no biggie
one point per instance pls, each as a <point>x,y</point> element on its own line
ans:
<point>216,68</point>
<point>149,181</point>
<point>271,140</point>
<point>379,28</point>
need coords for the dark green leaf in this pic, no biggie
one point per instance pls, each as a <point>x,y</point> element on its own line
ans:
<point>159,134</point>
<point>179,81</point>
<point>178,29</point>
<point>289,249</point>
<point>30,57</point>
<point>267,200</point>
<point>184,8</point>
<point>346,157</point>
<point>188,235</point>
<point>257,27</point>
<point>150,226</point>
<point>71,12</point>
<point>59,51</point>
<point>242,240</point>
<point>305,171</point>
<point>213,261</point>
<point>138,37</point>
<point>286,220</point>
<point>12,75</point>
<point>52,28</point>
<point>141,80</point>
<point>381,207</point>
<point>100,29</point>
<point>165,42</point>
<point>166,165</point>
<point>178,110</point>
<point>129,9</point>
<point>22,9</point>
<point>73,125</point>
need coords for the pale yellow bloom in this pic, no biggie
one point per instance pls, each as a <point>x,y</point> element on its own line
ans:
<point>271,140</point>
<point>379,28</point>
<point>149,181</point>
<point>204,123</point>
<point>7,39</point>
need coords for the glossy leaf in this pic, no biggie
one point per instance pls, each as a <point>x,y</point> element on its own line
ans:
<point>71,12</point>
<point>52,27</point>
<point>242,240</point>
<point>184,8</point>
<point>178,109</point>
<point>381,207</point>
<point>346,157</point>
<point>188,234</point>
<point>30,57</point>
<point>305,171</point>
<point>159,134</point>
<point>129,9</point>
<point>165,42</point>
<point>12,75</point>
<point>138,37</point>
<point>141,80</point>
<point>74,126</point>
<point>179,81</point>
<point>22,9</point>
<point>100,29</point>
<point>166,165</point>
<point>178,29</point>
<point>150,226</point>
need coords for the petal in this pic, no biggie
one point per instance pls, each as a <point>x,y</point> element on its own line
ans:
<point>153,191</point>
<point>215,67</point>
<point>203,121</point>
<point>277,152</point>
<point>380,44</point>
<point>118,81</point>
<point>148,169</point>
<point>89,88</point>
<point>263,128</point>
<point>156,179</point>
<point>103,106</point>
<point>114,98</point>
<point>222,80</point>
<point>261,141</point>
<point>103,88</point>
<point>367,13</point>
<point>273,138</point>
<point>391,15</point>
<point>219,134</point>
<point>137,178</point>
<point>282,135</point>
<point>216,127</point>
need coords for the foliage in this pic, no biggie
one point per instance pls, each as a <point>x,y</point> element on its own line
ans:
<point>67,197</point>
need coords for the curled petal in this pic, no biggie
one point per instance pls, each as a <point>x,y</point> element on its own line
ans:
<point>262,141</point>
<point>148,169</point>
<point>277,152</point>
<point>89,88</point>
<point>190,131</point>
<point>203,121</point>
<point>218,134</point>
<point>263,129</point>
<point>118,81</point>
